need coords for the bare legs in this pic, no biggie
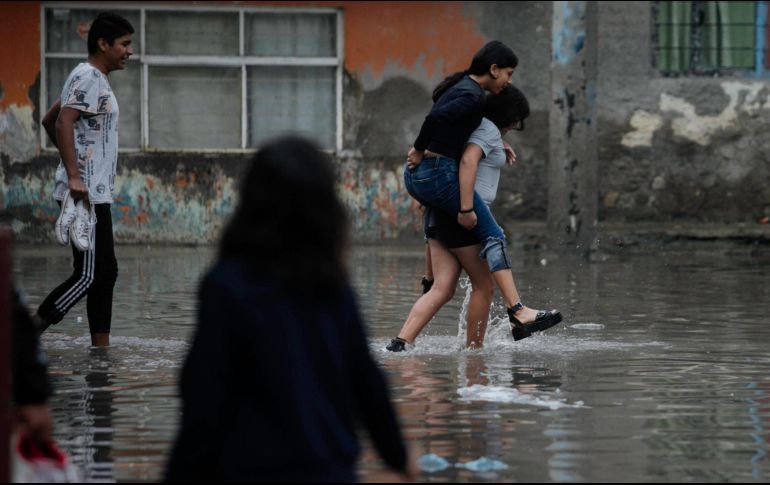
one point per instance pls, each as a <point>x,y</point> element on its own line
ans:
<point>100,339</point>
<point>446,271</point>
<point>482,292</point>
<point>504,281</point>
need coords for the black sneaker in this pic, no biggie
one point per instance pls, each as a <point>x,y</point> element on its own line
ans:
<point>426,284</point>
<point>396,345</point>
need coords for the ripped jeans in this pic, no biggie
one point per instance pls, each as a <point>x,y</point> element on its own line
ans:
<point>435,182</point>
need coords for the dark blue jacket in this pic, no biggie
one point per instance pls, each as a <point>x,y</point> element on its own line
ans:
<point>273,384</point>
<point>453,118</point>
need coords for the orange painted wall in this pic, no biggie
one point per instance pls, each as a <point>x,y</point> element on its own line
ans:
<point>19,51</point>
<point>439,37</point>
<point>401,33</point>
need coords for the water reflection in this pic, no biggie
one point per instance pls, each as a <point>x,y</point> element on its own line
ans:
<point>84,413</point>
<point>660,371</point>
<point>759,413</point>
<point>100,407</point>
<point>491,423</point>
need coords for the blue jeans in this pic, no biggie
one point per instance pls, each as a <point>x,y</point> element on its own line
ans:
<point>436,183</point>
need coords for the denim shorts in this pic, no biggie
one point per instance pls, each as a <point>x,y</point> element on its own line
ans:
<point>435,183</point>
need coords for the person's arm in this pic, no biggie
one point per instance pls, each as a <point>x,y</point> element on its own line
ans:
<point>465,103</point>
<point>65,137</point>
<point>414,157</point>
<point>204,389</point>
<point>510,155</point>
<point>469,165</point>
<point>80,97</point>
<point>49,121</point>
<point>377,412</point>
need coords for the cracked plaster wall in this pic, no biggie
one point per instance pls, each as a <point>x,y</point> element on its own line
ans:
<point>684,148</point>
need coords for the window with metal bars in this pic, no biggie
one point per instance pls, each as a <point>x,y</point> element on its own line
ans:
<point>210,77</point>
<point>711,38</point>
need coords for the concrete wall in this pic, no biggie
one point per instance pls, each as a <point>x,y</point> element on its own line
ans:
<point>669,148</point>
<point>694,148</point>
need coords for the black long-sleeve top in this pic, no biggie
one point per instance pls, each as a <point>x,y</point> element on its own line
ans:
<point>452,119</point>
<point>272,386</point>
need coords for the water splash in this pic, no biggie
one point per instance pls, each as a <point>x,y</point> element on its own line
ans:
<point>587,326</point>
<point>499,340</point>
<point>61,341</point>
<point>136,353</point>
<point>478,392</point>
<point>465,283</point>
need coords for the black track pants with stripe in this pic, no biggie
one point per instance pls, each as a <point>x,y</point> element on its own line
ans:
<point>95,272</point>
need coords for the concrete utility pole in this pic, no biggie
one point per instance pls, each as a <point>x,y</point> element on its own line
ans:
<point>573,155</point>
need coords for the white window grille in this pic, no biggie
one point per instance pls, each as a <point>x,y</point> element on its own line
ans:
<point>218,78</point>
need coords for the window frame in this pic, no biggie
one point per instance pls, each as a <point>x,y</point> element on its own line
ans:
<point>242,61</point>
<point>761,49</point>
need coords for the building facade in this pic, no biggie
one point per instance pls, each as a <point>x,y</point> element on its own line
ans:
<point>682,92</point>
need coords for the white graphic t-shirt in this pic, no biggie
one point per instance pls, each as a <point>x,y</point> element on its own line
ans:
<point>96,133</point>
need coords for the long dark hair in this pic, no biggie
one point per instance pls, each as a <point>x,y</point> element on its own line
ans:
<point>290,226</point>
<point>507,107</point>
<point>493,52</point>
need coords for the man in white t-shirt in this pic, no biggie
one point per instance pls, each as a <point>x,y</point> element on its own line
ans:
<point>83,125</point>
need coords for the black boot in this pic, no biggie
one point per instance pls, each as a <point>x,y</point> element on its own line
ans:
<point>396,345</point>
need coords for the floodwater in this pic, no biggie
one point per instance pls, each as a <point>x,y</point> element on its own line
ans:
<point>660,371</point>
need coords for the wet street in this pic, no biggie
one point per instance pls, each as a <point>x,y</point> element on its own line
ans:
<point>659,372</point>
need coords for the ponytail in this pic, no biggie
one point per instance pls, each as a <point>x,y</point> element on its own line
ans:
<point>447,83</point>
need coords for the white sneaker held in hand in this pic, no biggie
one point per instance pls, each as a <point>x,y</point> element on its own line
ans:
<point>65,220</point>
<point>81,230</point>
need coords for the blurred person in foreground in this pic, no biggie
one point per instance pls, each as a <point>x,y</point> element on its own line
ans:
<point>279,368</point>
<point>31,385</point>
